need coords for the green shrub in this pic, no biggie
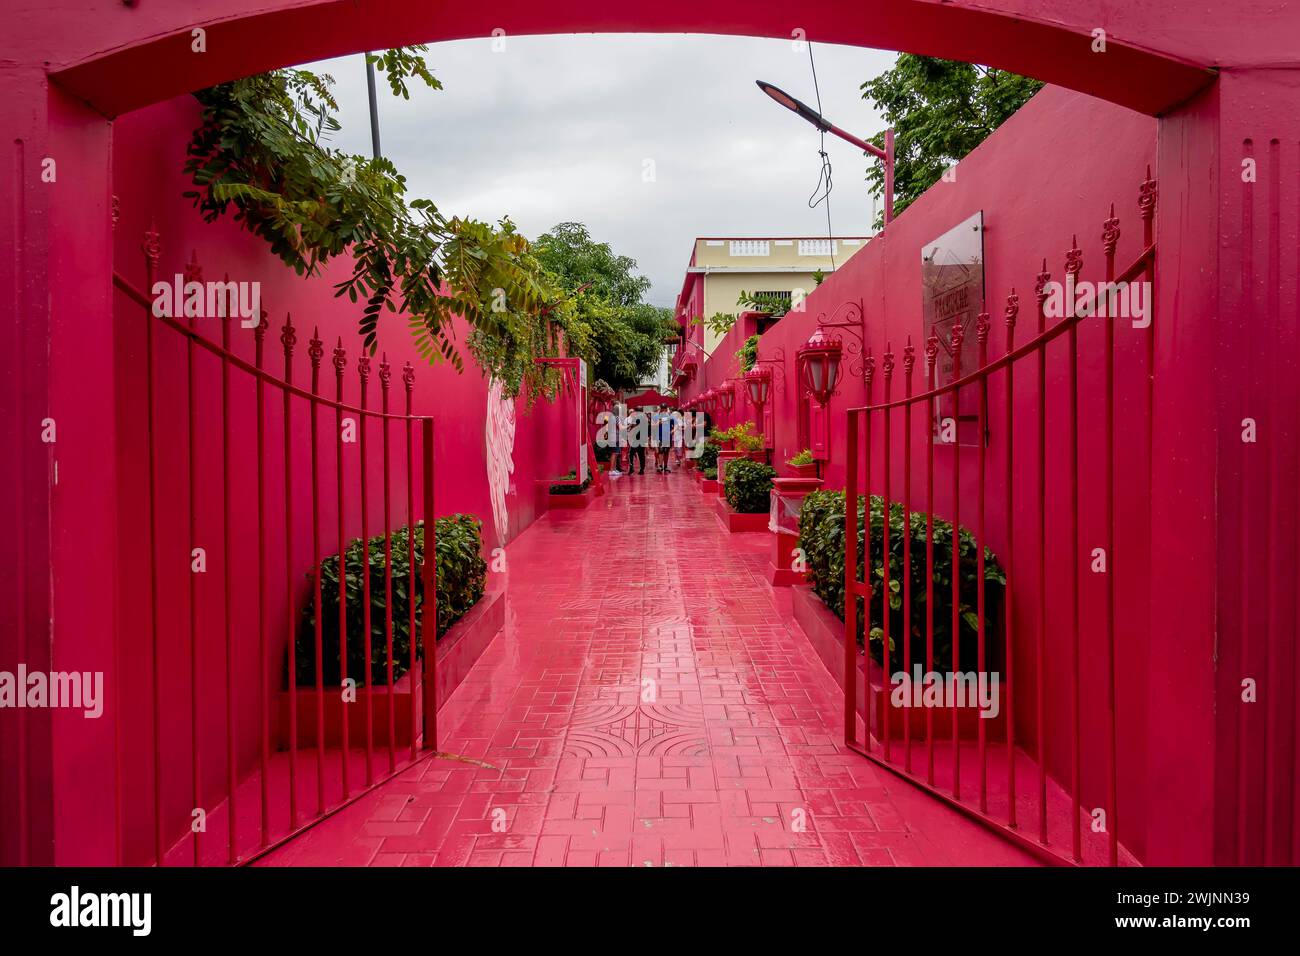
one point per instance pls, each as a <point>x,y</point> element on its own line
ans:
<point>748,485</point>
<point>708,459</point>
<point>461,578</point>
<point>745,437</point>
<point>748,353</point>
<point>711,473</point>
<point>821,537</point>
<point>571,489</point>
<point>804,457</point>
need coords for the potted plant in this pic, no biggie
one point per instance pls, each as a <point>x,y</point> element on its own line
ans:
<point>571,494</point>
<point>707,462</point>
<point>748,442</point>
<point>747,495</point>
<point>725,438</point>
<point>803,464</point>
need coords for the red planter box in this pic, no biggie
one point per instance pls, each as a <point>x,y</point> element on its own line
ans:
<point>825,632</point>
<point>735,522</point>
<point>709,486</point>
<point>568,502</point>
<point>458,650</point>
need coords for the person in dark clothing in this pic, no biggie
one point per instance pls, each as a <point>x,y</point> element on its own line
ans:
<point>663,438</point>
<point>636,442</point>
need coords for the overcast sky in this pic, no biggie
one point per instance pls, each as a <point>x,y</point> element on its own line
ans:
<point>562,128</point>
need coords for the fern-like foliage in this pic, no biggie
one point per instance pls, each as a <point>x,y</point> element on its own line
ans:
<point>260,155</point>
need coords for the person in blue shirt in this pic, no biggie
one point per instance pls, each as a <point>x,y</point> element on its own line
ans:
<point>663,433</point>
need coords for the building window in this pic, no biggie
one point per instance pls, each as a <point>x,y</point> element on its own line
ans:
<point>750,247</point>
<point>816,247</point>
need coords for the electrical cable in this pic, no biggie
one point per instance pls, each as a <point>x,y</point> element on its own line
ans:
<point>820,194</point>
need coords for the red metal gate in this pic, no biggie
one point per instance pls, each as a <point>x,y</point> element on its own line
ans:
<point>224,772</point>
<point>1047,776</point>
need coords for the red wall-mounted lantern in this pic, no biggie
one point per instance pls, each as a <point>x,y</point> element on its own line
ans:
<point>757,381</point>
<point>726,396</point>
<point>819,360</point>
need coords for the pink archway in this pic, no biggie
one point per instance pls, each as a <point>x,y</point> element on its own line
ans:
<point>146,54</point>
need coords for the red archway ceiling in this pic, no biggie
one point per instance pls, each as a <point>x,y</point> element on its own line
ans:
<point>120,58</point>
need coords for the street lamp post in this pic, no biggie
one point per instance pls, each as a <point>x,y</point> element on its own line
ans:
<point>806,112</point>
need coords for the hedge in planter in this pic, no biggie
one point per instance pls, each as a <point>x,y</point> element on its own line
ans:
<point>821,536</point>
<point>570,489</point>
<point>462,577</point>
<point>708,456</point>
<point>748,485</point>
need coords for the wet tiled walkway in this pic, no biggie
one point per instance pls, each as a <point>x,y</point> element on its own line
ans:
<point>651,702</point>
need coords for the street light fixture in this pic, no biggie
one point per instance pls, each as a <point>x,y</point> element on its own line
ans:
<point>819,358</point>
<point>726,396</point>
<point>757,381</point>
<point>807,113</point>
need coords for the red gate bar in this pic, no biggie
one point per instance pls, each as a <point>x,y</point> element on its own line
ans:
<point>888,367</point>
<point>289,338</point>
<point>932,380</point>
<point>227,574</point>
<point>340,366</point>
<point>909,361</point>
<point>982,337</point>
<point>151,252</point>
<point>1040,633</point>
<point>193,273</point>
<point>1073,266</point>
<point>850,587</point>
<point>363,373</point>
<point>958,334</point>
<point>864,587</point>
<point>428,571</point>
<point>1112,763</point>
<point>431,638</point>
<point>1076,771</point>
<point>385,380</point>
<point>315,349</point>
<point>1012,311</point>
<point>264,685</point>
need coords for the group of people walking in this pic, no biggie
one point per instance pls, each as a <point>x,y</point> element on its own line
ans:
<point>665,438</point>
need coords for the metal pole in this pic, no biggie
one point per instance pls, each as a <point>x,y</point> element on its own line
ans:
<point>374,108</point>
<point>886,157</point>
<point>889,176</point>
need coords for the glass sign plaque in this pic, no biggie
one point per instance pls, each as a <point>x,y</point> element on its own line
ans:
<point>952,291</point>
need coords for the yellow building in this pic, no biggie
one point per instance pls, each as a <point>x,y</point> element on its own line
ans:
<point>720,269</point>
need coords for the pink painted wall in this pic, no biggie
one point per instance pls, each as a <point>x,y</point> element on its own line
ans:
<point>1036,187</point>
<point>148,154</point>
